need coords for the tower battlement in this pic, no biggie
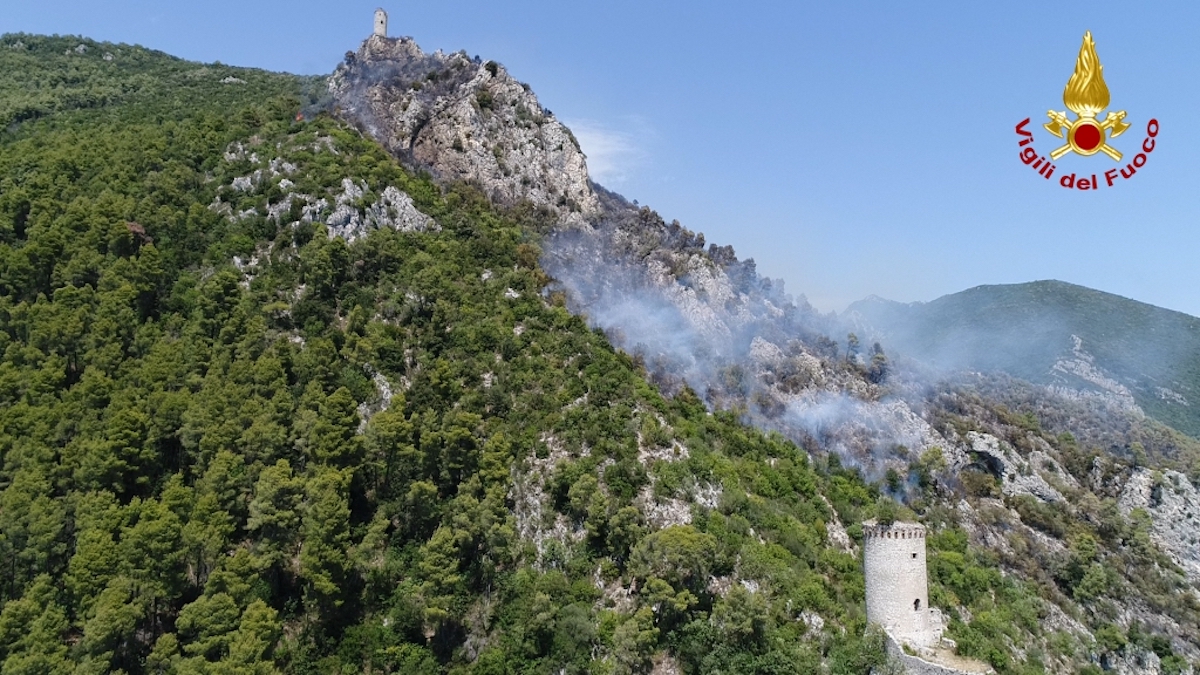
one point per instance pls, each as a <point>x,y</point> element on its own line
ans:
<point>897,584</point>
<point>893,531</point>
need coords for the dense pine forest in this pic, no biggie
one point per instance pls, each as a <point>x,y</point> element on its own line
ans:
<point>231,443</point>
<point>186,488</point>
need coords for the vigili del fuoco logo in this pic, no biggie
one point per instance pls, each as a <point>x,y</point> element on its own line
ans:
<point>1086,95</point>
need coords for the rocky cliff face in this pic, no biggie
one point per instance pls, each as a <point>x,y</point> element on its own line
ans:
<point>463,119</point>
<point>1174,507</point>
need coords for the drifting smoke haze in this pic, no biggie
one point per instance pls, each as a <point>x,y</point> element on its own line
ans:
<point>698,316</point>
<point>705,319</point>
<point>665,323</point>
<point>1096,362</point>
<point>673,307</point>
<point>1081,342</point>
<point>694,315</point>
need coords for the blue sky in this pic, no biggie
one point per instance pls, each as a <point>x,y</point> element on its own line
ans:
<point>856,149</point>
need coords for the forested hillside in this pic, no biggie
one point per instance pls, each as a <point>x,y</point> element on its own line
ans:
<point>233,443</point>
<point>184,478</point>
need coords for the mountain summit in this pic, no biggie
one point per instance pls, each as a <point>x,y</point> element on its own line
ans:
<point>464,120</point>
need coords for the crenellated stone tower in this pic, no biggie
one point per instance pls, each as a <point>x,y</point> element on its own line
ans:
<point>380,22</point>
<point>896,580</point>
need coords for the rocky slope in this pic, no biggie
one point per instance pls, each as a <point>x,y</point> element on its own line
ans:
<point>464,119</point>
<point>1173,503</point>
<point>693,314</point>
<point>1014,464</point>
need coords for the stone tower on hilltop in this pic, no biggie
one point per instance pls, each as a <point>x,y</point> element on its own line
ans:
<point>380,22</point>
<point>897,585</point>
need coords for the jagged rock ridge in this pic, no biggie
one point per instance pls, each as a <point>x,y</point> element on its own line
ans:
<point>463,119</point>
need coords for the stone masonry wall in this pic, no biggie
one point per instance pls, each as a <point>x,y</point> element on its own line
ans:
<point>896,583</point>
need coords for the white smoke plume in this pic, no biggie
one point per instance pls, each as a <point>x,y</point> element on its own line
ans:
<point>702,318</point>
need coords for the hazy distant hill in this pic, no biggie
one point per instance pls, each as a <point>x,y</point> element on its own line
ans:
<point>1053,332</point>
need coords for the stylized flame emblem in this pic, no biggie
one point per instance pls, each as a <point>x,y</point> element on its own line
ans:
<point>1086,95</point>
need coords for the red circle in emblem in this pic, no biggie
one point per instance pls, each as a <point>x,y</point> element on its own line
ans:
<point>1088,136</point>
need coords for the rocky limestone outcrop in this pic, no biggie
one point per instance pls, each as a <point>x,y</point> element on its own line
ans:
<point>1174,507</point>
<point>462,119</point>
<point>392,209</point>
<point>536,522</point>
<point>1082,370</point>
<point>1131,661</point>
<point>933,662</point>
<point>1018,475</point>
<point>351,212</point>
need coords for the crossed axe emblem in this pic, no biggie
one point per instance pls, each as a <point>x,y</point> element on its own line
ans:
<point>1085,135</point>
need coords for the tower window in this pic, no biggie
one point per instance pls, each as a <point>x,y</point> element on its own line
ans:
<point>917,605</point>
<point>914,556</point>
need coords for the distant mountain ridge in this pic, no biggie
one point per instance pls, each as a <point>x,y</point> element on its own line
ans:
<point>1054,333</point>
